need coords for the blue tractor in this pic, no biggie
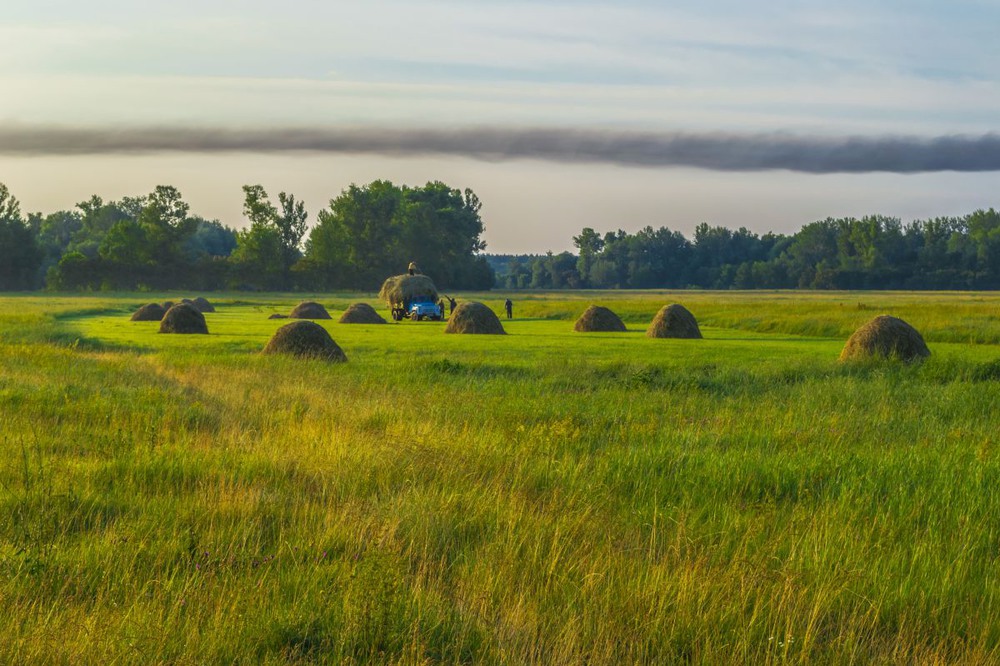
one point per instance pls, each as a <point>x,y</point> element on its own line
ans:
<point>417,310</point>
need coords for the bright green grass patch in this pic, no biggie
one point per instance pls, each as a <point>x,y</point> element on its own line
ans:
<point>544,496</point>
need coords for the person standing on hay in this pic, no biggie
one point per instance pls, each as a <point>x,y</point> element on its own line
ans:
<point>509,307</point>
<point>413,268</point>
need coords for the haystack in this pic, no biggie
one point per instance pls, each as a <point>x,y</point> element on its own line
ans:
<point>278,316</point>
<point>309,310</point>
<point>597,319</point>
<point>674,321</point>
<point>407,288</point>
<point>885,337</point>
<point>183,318</point>
<point>361,313</point>
<point>472,317</point>
<point>150,312</point>
<point>305,339</point>
<point>167,305</point>
<point>203,305</point>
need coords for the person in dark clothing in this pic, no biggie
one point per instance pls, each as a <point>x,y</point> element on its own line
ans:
<point>509,307</point>
<point>451,304</point>
<point>441,307</point>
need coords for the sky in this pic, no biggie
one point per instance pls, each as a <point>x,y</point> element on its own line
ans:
<point>560,115</point>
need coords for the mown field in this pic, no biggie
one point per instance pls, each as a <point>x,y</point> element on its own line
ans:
<point>543,497</point>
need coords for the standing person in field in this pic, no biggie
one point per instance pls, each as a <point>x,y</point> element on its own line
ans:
<point>441,307</point>
<point>509,307</point>
<point>451,305</point>
<point>413,268</point>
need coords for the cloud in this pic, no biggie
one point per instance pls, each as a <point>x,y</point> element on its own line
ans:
<point>712,151</point>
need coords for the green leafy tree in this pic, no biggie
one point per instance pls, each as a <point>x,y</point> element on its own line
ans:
<point>291,223</point>
<point>287,225</point>
<point>984,234</point>
<point>589,243</point>
<point>128,255</point>
<point>56,232</point>
<point>367,219</point>
<point>518,275</point>
<point>97,218</point>
<point>210,239</point>
<point>257,261</point>
<point>373,231</point>
<point>20,256</point>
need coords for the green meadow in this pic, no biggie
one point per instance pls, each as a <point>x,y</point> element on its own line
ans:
<point>544,497</point>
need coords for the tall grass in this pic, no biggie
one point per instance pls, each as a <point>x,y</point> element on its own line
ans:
<point>542,497</point>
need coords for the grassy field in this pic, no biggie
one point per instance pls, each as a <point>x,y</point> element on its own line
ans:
<point>543,497</point>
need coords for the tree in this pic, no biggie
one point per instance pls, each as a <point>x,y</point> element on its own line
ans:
<point>164,207</point>
<point>984,234</point>
<point>441,231</point>
<point>210,239</point>
<point>257,207</point>
<point>56,231</point>
<point>20,256</point>
<point>257,260</point>
<point>97,218</point>
<point>518,275</point>
<point>373,231</point>
<point>590,244</point>
<point>291,223</point>
<point>268,223</point>
<point>815,243</point>
<point>128,255</point>
<point>75,271</point>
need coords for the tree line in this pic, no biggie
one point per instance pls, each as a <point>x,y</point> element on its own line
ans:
<point>372,231</point>
<point>154,242</point>
<point>873,252</point>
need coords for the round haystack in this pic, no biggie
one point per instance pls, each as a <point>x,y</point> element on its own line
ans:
<point>151,312</point>
<point>278,316</point>
<point>472,317</point>
<point>305,339</point>
<point>309,310</point>
<point>885,337</point>
<point>597,319</point>
<point>203,305</point>
<point>183,318</point>
<point>361,313</point>
<point>407,288</point>
<point>674,321</point>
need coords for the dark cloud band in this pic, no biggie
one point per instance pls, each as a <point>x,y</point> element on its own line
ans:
<point>714,151</point>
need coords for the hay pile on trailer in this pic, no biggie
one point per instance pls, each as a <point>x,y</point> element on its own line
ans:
<point>400,289</point>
